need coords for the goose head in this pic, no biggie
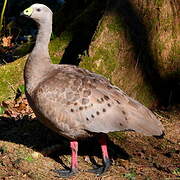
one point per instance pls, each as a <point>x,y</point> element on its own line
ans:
<point>39,13</point>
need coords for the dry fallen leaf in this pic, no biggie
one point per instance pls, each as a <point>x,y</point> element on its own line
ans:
<point>6,41</point>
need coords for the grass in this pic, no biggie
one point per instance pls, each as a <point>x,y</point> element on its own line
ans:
<point>159,3</point>
<point>3,149</point>
<point>2,110</point>
<point>24,154</point>
<point>115,24</point>
<point>131,175</point>
<point>11,76</point>
<point>29,158</point>
<point>57,47</point>
<point>144,94</point>
<point>176,171</point>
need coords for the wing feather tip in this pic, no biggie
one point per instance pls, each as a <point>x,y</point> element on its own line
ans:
<point>161,136</point>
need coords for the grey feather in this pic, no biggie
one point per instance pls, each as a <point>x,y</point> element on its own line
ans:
<point>75,102</point>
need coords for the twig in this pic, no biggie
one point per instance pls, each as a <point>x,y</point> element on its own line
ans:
<point>4,61</point>
<point>2,14</point>
<point>159,115</point>
<point>11,86</point>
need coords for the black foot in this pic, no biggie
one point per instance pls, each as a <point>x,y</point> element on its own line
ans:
<point>102,169</point>
<point>65,173</point>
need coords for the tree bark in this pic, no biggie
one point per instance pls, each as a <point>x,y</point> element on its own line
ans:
<point>136,47</point>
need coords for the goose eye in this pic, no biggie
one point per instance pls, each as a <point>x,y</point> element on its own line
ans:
<point>38,9</point>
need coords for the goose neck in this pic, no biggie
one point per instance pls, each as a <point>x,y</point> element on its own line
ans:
<point>42,39</point>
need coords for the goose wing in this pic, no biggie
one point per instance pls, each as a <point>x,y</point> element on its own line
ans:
<point>87,101</point>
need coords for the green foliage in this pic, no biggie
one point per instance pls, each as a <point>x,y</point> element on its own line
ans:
<point>29,158</point>
<point>3,149</point>
<point>11,76</point>
<point>24,154</point>
<point>131,175</point>
<point>176,171</point>
<point>2,110</point>
<point>21,88</point>
<point>115,24</point>
<point>147,178</point>
<point>144,94</point>
<point>24,49</point>
<point>159,2</point>
<point>103,62</point>
<point>53,36</point>
<point>120,136</point>
<point>57,46</point>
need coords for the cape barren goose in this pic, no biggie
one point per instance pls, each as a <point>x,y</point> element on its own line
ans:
<point>77,103</point>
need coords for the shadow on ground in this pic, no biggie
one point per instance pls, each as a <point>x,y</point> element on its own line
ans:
<point>33,134</point>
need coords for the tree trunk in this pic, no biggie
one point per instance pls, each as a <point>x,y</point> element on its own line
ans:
<point>134,44</point>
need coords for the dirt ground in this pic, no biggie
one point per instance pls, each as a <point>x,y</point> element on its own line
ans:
<point>28,150</point>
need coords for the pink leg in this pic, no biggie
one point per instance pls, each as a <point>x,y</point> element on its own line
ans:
<point>74,149</point>
<point>74,163</point>
<point>106,161</point>
<point>103,143</point>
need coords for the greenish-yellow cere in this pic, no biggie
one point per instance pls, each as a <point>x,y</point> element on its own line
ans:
<point>28,11</point>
